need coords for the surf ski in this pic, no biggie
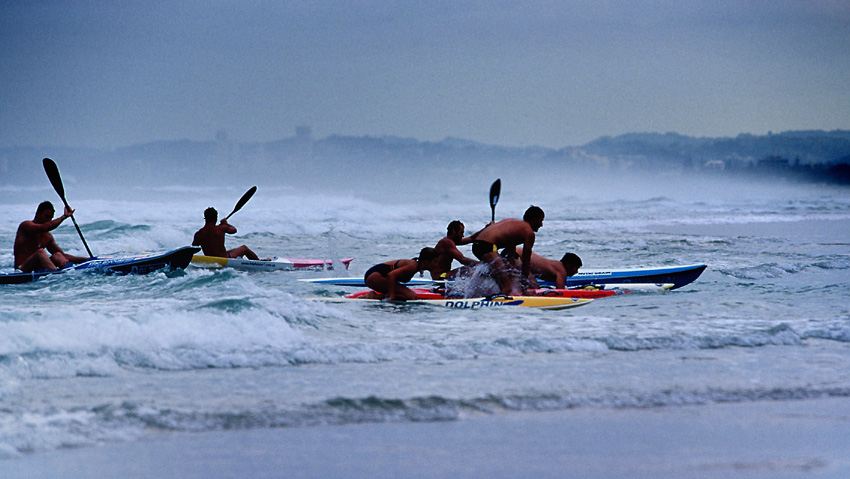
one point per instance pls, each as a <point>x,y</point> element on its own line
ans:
<point>140,264</point>
<point>275,264</point>
<point>678,276</point>
<point>589,292</point>
<point>602,290</point>
<point>437,299</point>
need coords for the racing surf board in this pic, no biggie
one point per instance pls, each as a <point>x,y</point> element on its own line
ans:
<point>275,264</point>
<point>436,299</point>
<point>678,276</point>
<point>140,264</point>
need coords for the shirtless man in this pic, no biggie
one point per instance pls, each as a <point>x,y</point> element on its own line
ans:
<point>35,249</point>
<point>387,279</point>
<point>211,238</point>
<point>448,252</point>
<point>554,271</point>
<point>508,233</point>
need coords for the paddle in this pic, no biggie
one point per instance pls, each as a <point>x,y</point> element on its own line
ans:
<point>56,180</point>
<point>495,190</point>
<point>239,204</point>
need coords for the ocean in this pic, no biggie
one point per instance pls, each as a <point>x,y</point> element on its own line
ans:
<point>91,362</point>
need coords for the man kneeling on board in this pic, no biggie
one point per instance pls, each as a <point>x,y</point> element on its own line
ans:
<point>387,278</point>
<point>448,252</point>
<point>211,238</point>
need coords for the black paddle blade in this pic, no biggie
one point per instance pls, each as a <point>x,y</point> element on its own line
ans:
<point>495,191</point>
<point>53,175</point>
<point>56,180</point>
<point>247,196</point>
<point>239,204</point>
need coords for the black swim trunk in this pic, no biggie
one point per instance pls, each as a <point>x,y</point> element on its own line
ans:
<point>383,269</point>
<point>481,248</point>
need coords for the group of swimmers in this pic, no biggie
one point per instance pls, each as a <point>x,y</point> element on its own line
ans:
<point>505,246</point>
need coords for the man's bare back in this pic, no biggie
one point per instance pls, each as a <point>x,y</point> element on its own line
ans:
<point>508,233</point>
<point>211,238</point>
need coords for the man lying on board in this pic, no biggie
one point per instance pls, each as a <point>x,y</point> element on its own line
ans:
<point>554,271</point>
<point>211,238</point>
<point>35,248</point>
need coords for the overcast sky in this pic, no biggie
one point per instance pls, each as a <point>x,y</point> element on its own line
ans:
<point>108,74</point>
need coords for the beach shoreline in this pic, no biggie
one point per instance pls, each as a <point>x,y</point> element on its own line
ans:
<point>752,439</point>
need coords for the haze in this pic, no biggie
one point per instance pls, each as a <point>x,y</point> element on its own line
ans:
<point>106,74</point>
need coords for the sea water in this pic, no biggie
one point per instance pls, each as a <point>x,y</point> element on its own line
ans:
<point>87,359</point>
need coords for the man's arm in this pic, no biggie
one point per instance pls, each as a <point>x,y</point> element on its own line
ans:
<point>526,252</point>
<point>466,240</point>
<point>448,246</point>
<point>31,227</point>
<point>227,227</point>
<point>393,276</point>
<point>559,272</point>
<point>51,245</point>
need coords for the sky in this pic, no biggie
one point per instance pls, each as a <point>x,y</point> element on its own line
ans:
<point>108,74</point>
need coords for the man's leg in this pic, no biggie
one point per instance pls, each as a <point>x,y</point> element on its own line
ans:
<point>38,261</point>
<point>242,251</point>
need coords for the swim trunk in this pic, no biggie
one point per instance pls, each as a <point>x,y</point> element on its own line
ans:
<point>481,248</point>
<point>383,269</point>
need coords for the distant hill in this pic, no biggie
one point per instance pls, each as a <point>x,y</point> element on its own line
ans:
<point>805,147</point>
<point>806,155</point>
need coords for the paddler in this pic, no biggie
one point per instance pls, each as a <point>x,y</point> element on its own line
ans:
<point>508,234</point>
<point>211,238</point>
<point>551,270</point>
<point>447,252</point>
<point>35,248</point>
<point>387,278</point>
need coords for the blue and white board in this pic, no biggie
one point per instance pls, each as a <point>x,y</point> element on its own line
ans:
<point>358,282</point>
<point>141,264</point>
<point>678,276</point>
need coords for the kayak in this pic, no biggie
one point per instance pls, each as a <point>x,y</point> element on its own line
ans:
<point>141,264</point>
<point>358,281</point>
<point>678,276</point>
<point>275,264</point>
<point>589,292</point>
<point>437,299</point>
<point>602,290</point>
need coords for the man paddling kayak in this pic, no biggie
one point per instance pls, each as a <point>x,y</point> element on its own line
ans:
<point>508,233</point>
<point>35,248</point>
<point>211,238</point>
